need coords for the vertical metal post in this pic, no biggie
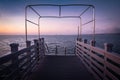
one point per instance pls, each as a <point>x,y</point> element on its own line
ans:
<point>26,24</point>
<point>39,27</point>
<point>80,28</point>
<point>93,23</point>
<point>78,32</point>
<point>59,11</point>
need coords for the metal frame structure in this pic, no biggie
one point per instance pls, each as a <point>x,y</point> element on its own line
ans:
<point>59,16</point>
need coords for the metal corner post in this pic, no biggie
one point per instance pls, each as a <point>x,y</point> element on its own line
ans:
<point>39,34</point>
<point>26,23</point>
<point>93,23</point>
<point>80,27</point>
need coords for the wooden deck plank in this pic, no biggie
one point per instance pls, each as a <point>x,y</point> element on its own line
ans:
<point>61,68</point>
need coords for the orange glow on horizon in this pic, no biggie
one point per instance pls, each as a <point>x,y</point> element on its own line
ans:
<point>10,30</point>
<point>47,27</point>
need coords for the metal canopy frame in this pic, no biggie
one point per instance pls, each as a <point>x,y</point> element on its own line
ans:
<point>59,16</point>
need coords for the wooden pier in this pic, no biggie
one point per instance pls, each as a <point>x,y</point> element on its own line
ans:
<point>33,63</point>
<point>87,63</point>
<point>61,68</point>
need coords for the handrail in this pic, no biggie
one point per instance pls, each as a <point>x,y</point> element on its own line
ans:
<point>46,48</point>
<point>102,64</point>
<point>18,64</point>
<point>60,5</point>
<point>56,49</point>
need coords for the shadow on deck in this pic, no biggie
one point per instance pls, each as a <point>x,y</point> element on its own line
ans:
<point>61,68</point>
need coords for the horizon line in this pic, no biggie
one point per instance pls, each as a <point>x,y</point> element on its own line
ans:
<point>58,34</point>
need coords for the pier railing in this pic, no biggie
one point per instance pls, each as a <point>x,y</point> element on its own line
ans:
<point>19,64</point>
<point>59,50</point>
<point>102,63</point>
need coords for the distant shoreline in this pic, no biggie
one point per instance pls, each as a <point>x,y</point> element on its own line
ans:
<point>58,34</point>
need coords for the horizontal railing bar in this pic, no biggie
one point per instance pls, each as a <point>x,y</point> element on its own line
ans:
<point>24,50</point>
<point>100,74</point>
<point>33,56</point>
<point>6,58</point>
<point>59,16</point>
<point>111,75</point>
<point>32,22</point>
<point>33,64</point>
<point>98,65</point>
<point>26,73</point>
<point>95,49</point>
<point>25,57</point>
<point>87,22</point>
<point>113,57</point>
<point>112,67</point>
<point>98,58</point>
<point>32,52</point>
<point>27,67</point>
<point>60,5</point>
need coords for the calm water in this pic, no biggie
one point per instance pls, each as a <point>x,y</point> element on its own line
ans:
<point>61,41</point>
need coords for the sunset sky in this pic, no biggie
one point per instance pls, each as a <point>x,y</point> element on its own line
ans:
<point>12,17</point>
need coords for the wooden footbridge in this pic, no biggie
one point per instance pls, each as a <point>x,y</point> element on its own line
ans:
<point>35,63</point>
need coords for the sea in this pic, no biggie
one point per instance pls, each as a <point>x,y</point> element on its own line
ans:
<point>61,41</point>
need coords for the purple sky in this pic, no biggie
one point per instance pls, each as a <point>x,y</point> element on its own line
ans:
<point>12,17</point>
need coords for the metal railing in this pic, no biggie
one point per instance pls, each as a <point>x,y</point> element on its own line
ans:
<point>54,49</point>
<point>60,7</point>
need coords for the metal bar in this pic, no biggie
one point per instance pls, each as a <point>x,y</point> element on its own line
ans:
<point>32,22</point>
<point>78,32</point>
<point>80,27</point>
<point>87,22</point>
<point>59,16</point>
<point>84,11</point>
<point>61,5</point>
<point>26,23</point>
<point>47,48</point>
<point>59,11</point>
<point>94,23</point>
<point>70,17</point>
<point>35,11</point>
<point>39,27</point>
